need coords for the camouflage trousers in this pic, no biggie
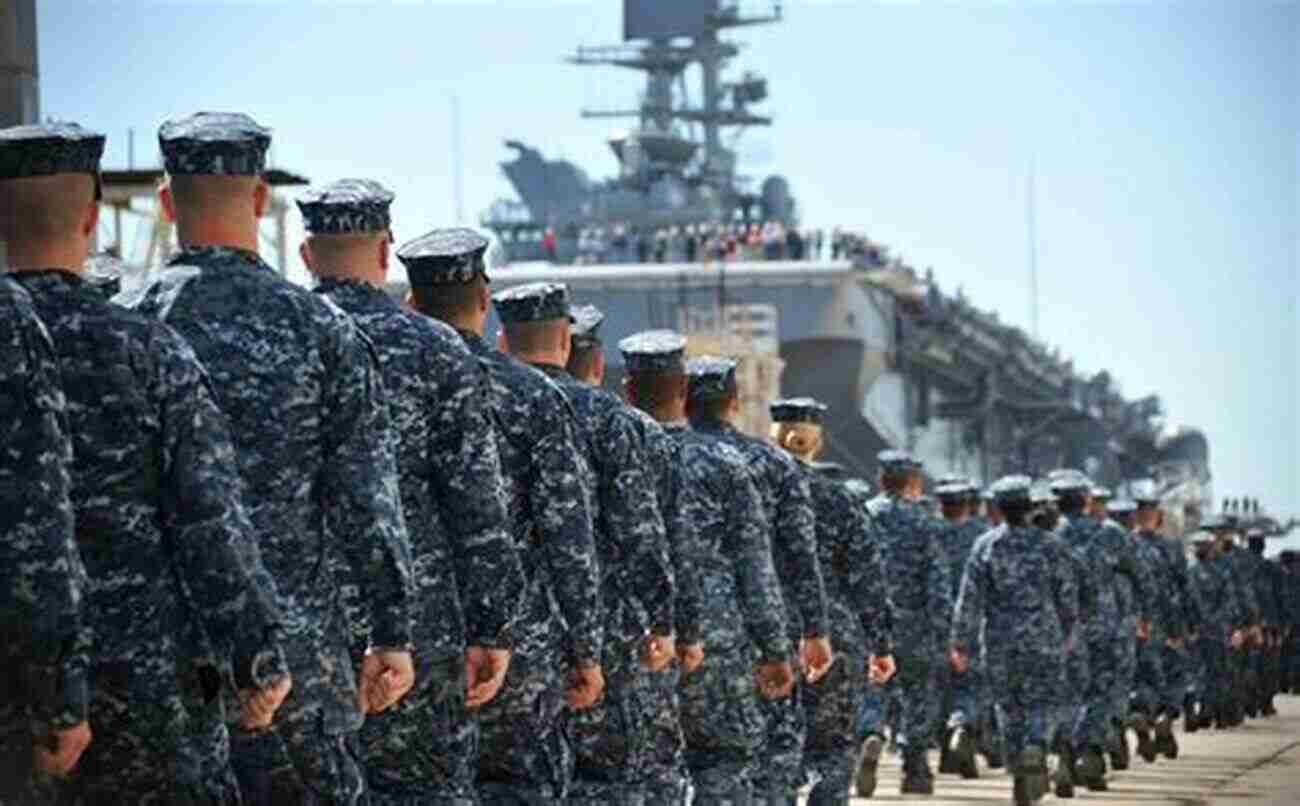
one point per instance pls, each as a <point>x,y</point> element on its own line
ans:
<point>20,783</point>
<point>1149,688</point>
<point>524,757</point>
<point>611,739</point>
<point>141,728</point>
<point>664,755</point>
<point>918,707</point>
<point>310,755</point>
<point>423,751</point>
<point>831,706</point>
<point>723,725</point>
<point>1071,702</point>
<point>1214,683</point>
<point>1177,667</point>
<point>1091,726</point>
<point>1026,683</point>
<point>780,759</point>
<point>1126,646</point>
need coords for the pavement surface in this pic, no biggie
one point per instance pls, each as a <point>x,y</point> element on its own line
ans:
<point>1257,764</point>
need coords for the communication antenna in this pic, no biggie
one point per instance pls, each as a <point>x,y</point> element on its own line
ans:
<point>1031,226</point>
<point>458,201</point>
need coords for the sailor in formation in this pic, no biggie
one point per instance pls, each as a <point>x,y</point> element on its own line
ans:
<point>263,544</point>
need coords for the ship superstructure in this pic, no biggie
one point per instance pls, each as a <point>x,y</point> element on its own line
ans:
<point>677,167</point>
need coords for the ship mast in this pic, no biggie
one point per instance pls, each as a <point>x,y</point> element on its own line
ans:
<point>665,56</point>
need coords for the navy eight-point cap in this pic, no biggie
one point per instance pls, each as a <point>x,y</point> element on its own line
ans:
<point>532,302</point>
<point>1012,488</point>
<point>654,351</point>
<point>1069,481</point>
<point>711,377</point>
<point>49,148</point>
<point>346,207</point>
<point>444,257</point>
<point>896,461</point>
<point>798,410</point>
<point>214,144</point>
<point>587,320</point>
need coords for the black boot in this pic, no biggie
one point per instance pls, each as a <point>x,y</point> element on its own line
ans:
<point>1090,770</point>
<point>866,779</point>
<point>1063,779</point>
<point>1145,747</point>
<point>1030,776</point>
<point>1191,716</point>
<point>917,778</point>
<point>961,750</point>
<point>1165,743</point>
<point>1119,752</point>
<point>947,753</point>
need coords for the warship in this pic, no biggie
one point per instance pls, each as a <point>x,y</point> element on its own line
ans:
<point>900,362</point>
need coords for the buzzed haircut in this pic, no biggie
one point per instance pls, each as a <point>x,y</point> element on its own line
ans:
<point>331,248</point>
<point>44,208</point>
<point>713,408</point>
<point>582,360</point>
<point>448,301</point>
<point>531,337</point>
<point>657,387</point>
<point>203,191</point>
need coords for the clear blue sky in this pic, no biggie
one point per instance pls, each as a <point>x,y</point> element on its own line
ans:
<point>1165,139</point>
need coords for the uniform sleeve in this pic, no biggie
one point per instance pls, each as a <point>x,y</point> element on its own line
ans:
<point>470,491</point>
<point>40,566</point>
<point>214,552</point>
<point>758,590</point>
<point>794,548</point>
<point>1129,565</point>
<point>860,561</point>
<point>559,504</point>
<point>684,547</point>
<point>1245,590</point>
<point>360,485</point>
<point>630,509</point>
<point>1065,585</point>
<point>938,580</point>
<point>969,611</point>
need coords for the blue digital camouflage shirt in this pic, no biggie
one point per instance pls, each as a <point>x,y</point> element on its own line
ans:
<point>787,503</point>
<point>41,578</point>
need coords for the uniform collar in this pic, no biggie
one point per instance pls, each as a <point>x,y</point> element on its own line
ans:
<point>52,279</point>
<point>553,370</point>
<point>354,289</point>
<point>233,254</point>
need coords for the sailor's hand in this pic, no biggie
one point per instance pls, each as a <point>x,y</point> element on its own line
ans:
<point>257,708</point>
<point>586,683</point>
<point>386,676</point>
<point>485,672</point>
<point>880,669</point>
<point>67,746</point>
<point>775,679</point>
<point>657,652</point>
<point>960,660</point>
<point>1144,630</point>
<point>690,656</point>
<point>815,657</point>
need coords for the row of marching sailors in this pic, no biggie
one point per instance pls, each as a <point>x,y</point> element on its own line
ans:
<point>267,544</point>
<point>1077,621</point>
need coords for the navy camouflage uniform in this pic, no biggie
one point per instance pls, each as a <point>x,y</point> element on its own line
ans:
<point>160,527</point>
<point>524,755</point>
<point>963,702</point>
<point>1018,588</point>
<point>921,592</point>
<point>859,609</point>
<point>742,610</point>
<point>784,489</point>
<point>1107,555</point>
<point>636,569</point>
<point>44,654</point>
<point>299,384</point>
<point>466,575</point>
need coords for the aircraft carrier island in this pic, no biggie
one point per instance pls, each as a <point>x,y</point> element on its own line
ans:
<point>678,239</point>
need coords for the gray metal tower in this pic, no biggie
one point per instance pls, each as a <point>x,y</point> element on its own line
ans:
<point>19,87</point>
